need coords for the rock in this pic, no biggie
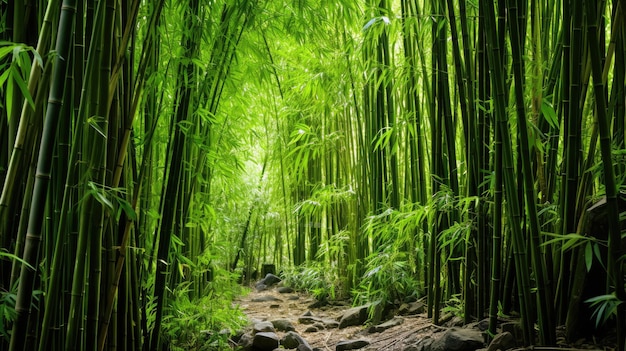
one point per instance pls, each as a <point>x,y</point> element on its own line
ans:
<point>290,340</point>
<point>320,326</point>
<point>261,287</point>
<point>515,329</point>
<point>283,325</point>
<point>309,320</point>
<point>456,339</point>
<point>389,324</point>
<point>351,345</point>
<point>274,306</point>
<point>483,324</point>
<point>285,290</point>
<point>424,344</point>
<point>265,341</point>
<point>293,340</point>
<point>455,321</point>
<point>330,324</point>
<point>311,329</point>
<point>412,308</point>
<point>318,304</point>
<point>269,280</point>
<point>293,297</point>
<point>266,298</point>
<point>354,316</point>
<point>245,342</point>
<point>502,341</point>
<point>263,327</point>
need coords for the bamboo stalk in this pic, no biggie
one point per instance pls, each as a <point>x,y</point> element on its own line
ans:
<point>33,239</point>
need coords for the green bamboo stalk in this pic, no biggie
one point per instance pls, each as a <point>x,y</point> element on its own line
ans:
<point>92,145</point>
<point>31,249</point>
<point>170,199</point>
<point>9,188</point>
<point>517,28</point>
<point>572,144</point>
<point>615,267</point>
<point>513,211</point>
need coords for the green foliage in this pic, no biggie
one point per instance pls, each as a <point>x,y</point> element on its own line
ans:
<point>7,312</point>
<point>316,278</point>
<point>16,71</point>
<point>7,309</point>
<point>391,273</point>
<point>207,322</point>
<point>390,278</point>
<point>605,307</point>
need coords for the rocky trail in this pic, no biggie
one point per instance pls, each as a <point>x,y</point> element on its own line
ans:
<point>281,318</point>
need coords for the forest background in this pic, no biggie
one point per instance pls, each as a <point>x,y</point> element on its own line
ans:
<point>155,153</point>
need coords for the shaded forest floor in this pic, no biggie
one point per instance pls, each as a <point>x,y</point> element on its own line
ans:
<point>292,306</point>
<point>270,305</point>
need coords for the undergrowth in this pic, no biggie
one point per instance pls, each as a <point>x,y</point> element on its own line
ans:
<point>205,323</point>
<point>317,279</point>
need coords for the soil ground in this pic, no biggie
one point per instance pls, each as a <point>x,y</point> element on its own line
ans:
<point>291,306</point>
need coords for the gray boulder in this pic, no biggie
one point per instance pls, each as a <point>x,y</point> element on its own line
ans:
<point>269,280</point>
<point>245,342</point>
<point>263,327</point>
<point>412,308</point>
<point>285,290</point>
<point>456,339</point>
<point>354,316</point>
<point>265,341</point>
<point>266,298</point>
<point>502,341</point>
<point>293,340</point>
<point>387,325</point>
<point>283,325</point>
<point>351,345</point>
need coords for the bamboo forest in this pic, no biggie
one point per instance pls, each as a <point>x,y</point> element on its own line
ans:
<point>159,157</point>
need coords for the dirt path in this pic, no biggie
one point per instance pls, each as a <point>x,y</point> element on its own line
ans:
<point>291,306</point>
<point>271,305</point>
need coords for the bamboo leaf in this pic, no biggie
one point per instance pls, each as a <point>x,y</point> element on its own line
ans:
<point>11,256</point>
<point>97,193</point>
<point>127,208</point>
<point>93,123</point>
<point>5,50</point>
<point>548,112</point>
<point>17,78</point>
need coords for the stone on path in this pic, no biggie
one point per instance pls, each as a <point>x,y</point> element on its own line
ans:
<point>245,342</point>
<point>265,341</point>
<point>395,321</point>
<point>269,280</point>
<point>263,327</point>
<point>308,319</point>
<point>285,290</point>
<point>354,316</point>
<point>283,325</point>
<point>311,329</point>
<point>293,340</point>
<point>266,298</point>
<point>411,308</point>
<point>456,339</point>
<point>351,345</point>
<point>502,341</point>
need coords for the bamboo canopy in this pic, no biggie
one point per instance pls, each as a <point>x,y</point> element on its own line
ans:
<point>155,155</point>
